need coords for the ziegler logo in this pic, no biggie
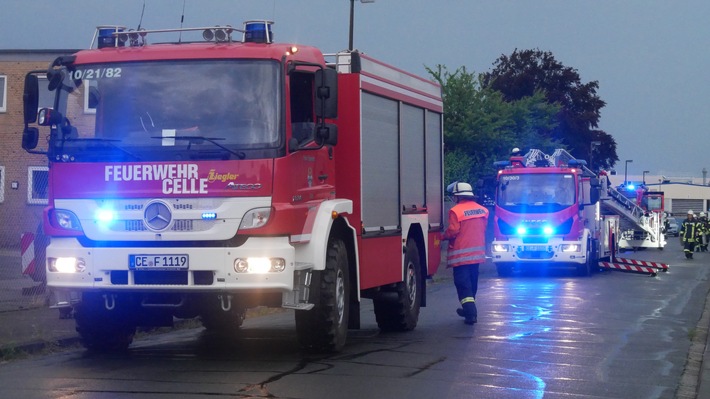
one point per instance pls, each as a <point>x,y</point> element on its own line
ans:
<point>534,221</point>
<point>243,186</point>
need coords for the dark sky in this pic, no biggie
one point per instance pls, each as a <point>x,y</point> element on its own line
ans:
<point>650,57</point>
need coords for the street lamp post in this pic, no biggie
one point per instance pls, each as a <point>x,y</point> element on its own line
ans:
<point>644,177</point>
<point>352,20</point>
<point>626,169</point>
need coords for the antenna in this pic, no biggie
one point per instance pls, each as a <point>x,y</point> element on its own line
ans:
<point>141,21</point>
<point>182,19</point>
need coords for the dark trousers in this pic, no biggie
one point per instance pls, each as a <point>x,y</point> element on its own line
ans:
<point>688,248</point>
<point>466,282</point>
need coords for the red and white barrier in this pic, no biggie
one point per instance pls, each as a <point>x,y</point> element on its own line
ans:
<point>656,265</point>
<point>27,244</point>
<point>628,268</point>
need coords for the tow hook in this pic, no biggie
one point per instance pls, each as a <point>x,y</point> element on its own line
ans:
<point>226,301</point>
<point>109,301</point>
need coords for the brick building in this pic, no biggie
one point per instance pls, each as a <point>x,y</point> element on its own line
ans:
<point>23,176</point>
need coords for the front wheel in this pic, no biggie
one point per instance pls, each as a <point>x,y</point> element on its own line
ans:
<point>324,328</point>
<point>215,319</point>
<point>101,329</point>
<point>504,269</point>
<point>401,313</point>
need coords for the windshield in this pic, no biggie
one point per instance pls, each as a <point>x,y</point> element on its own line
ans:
<point>536,193</point>
<point>653,203</point>
<point>176,110</point>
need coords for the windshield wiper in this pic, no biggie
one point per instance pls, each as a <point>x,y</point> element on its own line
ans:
<point>200,139</point>
<point>103,141</point>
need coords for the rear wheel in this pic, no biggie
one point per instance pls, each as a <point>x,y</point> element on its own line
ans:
<point>401,311</point>
<point>324,328</point>
<point>101,329</point>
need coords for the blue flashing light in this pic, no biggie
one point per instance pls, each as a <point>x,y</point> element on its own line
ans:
<point>521,230</point>
<point>106,38</point>
<point>548,230</point>
<point>630,187</point>
<point>258,32</point>
<point>209,216</point>
<point>105,216</point>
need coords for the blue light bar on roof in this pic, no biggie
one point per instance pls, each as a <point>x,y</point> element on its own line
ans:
<point>258,32</point>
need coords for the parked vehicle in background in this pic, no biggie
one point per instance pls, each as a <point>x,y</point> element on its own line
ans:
<point>673,227</point>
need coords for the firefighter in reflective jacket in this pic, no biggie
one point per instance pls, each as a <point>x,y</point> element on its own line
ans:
<point>466,233</point>
<point>689,233</point>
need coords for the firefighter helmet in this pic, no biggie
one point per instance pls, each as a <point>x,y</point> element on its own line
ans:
<point>702,214</point>
<point>461,189</point>
<point>690,212</point>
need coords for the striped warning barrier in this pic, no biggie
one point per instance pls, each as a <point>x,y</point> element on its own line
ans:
<point>629,268</point>
<point>656,265</point>
<point>27,245</point>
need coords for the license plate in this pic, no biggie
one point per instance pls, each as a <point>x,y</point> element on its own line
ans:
<point>534,248</point>
<point>158,261</point>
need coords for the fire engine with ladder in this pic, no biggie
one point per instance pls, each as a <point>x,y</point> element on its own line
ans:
<point>549,211</point>
<point>202,178</point>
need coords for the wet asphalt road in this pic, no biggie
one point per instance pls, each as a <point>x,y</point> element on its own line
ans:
<point>540,335</point>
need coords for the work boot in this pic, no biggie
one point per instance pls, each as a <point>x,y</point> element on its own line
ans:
<point>469,313</point>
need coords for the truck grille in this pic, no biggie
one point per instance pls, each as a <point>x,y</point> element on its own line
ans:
<point>179,225</point>
<point>163,277</point>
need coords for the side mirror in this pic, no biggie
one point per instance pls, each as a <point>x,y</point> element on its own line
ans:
<point>594,194</point>
<point>30,138</point>
<point>326,93</point>
<point>30,98</point>
<point>327,134</point>
<point>594,182</point>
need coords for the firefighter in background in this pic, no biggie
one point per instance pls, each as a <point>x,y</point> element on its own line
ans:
<point>466,233</point>
<point>689,233</point>
<point>704,232</point>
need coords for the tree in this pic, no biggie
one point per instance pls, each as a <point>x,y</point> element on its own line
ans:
<point>527,72</point>
<point>480,127</point>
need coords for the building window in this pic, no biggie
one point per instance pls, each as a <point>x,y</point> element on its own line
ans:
<point>2,184</point>
<point>3,93</point>
<point>37,185</point>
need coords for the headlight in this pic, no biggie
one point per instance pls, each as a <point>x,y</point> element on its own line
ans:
<point>500,247</point>
<point>66,219</point>
<point>66,265</point>
<point>259,265</point>
<point>570,247</point>
<point>255,218</point>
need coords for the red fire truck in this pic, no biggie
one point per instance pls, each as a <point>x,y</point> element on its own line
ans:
<point>547,213</point>
<point>200,179</point>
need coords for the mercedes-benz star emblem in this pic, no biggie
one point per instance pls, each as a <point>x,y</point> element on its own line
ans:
<point>157,215</point>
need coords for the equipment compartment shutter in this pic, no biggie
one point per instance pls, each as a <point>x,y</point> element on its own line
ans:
<point>380,163</point>
<point>680,207</point>
<point>412,150</point>
<point>434,169</point>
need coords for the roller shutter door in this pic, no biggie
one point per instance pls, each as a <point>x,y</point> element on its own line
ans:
<point>680,207</point>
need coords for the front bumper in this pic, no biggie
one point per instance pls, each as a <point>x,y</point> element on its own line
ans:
<point>553,251</point>
<point>210,269</point>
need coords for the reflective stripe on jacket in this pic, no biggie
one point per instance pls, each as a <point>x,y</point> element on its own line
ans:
<point>466,233</point>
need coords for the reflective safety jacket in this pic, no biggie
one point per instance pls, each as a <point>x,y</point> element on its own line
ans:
<point>466,234</point>
<point>690,230</point>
